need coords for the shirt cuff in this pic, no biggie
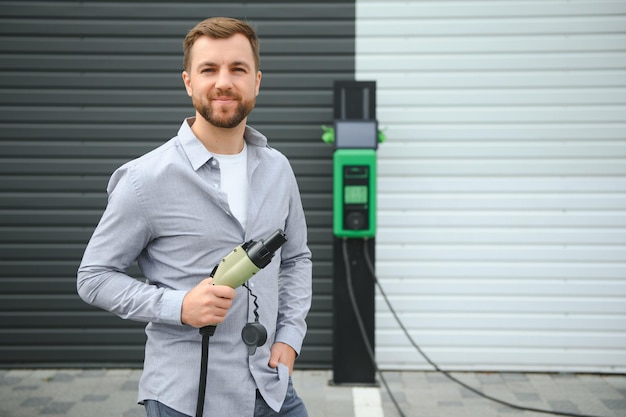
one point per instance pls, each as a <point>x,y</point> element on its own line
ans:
<point>291,337</point>
<point>170,307</point>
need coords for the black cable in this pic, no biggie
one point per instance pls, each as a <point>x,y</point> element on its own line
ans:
<point>254,300</point>
<point>434,365</point>
<point>204,362</point>
<point>359,320</point>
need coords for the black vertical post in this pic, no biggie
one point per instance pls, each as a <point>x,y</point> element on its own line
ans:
<point>352,365</point>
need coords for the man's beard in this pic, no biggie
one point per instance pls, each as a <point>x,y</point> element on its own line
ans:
<point>242,110</point>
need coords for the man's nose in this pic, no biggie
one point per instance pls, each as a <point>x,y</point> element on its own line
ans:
<point>224,80</point>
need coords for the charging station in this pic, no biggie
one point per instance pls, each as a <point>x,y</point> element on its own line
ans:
<point>355,137</point>
<point>354,193</point>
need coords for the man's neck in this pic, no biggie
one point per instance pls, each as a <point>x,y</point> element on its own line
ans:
<point>219,140</point>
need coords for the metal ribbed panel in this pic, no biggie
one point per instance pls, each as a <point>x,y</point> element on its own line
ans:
<point>86,86</point>
<point>502,208</point>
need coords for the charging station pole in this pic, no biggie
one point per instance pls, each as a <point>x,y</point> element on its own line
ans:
<point>354,225</point>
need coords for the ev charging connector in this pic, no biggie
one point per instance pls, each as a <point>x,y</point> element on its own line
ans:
<point>246,260</point>
<point>234,270</point>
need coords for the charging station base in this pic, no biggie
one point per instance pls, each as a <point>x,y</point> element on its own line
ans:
<point>352,364</point>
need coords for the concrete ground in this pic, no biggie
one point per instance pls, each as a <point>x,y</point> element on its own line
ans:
<point>112,393</point>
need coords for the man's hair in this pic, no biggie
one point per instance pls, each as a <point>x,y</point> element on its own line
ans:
<point>221,28</point>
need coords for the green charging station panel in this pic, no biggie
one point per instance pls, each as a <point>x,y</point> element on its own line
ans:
<point>354,193</point>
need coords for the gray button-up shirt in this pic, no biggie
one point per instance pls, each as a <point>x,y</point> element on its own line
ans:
<point>166,211</point>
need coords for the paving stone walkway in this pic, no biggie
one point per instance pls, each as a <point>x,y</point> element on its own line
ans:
<point>112,393</point>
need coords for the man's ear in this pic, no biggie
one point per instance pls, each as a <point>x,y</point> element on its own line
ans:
<point>187,82</point>
<point>259,75</point>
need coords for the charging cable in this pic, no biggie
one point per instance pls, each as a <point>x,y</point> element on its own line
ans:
<point>370,351</point>
<point>359,320</point>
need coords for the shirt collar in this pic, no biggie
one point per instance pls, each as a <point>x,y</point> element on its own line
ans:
<point>198,155</point>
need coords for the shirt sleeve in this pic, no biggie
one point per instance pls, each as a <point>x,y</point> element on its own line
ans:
<point>121,235</point>
<point>294,285</point>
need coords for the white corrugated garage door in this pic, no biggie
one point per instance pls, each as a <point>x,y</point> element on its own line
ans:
<point>502,187</point>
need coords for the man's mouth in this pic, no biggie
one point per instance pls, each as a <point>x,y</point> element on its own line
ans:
<point>224,100</point>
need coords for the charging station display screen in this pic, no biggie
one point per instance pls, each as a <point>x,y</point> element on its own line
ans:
<point>356,134</point>
<point>355,194</point>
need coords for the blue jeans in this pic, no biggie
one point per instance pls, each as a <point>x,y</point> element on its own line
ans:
<point>292,407</point>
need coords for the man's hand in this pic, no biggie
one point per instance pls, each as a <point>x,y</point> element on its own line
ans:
<point>283,353</point>
<point>206,304</point>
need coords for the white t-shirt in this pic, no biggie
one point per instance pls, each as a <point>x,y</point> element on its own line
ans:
<point>234,182</point>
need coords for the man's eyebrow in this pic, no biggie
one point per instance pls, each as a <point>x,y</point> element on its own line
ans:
<point>240,64</point>
<point>207,64</point>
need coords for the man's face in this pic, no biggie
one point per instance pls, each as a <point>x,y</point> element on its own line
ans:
<point>222,80</point>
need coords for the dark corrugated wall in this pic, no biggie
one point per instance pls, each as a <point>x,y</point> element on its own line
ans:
<point>86,86</point>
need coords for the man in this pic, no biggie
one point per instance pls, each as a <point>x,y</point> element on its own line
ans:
<point>178,210</point>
